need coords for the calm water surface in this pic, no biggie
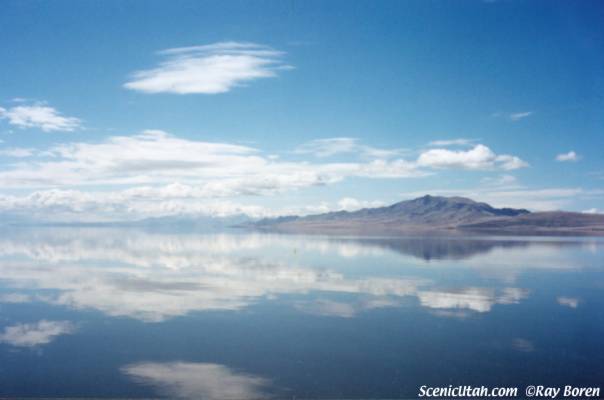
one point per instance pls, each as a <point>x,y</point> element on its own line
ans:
<point>133,313</point>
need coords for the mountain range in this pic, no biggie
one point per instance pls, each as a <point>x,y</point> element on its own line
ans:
<point>439,214</point>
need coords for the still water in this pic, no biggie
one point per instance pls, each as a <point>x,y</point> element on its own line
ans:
<point>134,313</point>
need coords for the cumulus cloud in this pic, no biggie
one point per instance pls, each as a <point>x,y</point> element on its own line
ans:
<point>156,172</point>
<point>565,157</point>
<point>198,380</point>
<point>479,157</point>
<point>39,115</point>
<point>209,69</point>
<point>35,334</point>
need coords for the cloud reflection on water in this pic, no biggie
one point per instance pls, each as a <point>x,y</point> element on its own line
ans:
<point>198,380</point>
<point>155,276</point>
<point>35,334</point>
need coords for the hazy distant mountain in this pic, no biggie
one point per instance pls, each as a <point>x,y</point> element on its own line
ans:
<point>173,222</point>
<point>435,213</point>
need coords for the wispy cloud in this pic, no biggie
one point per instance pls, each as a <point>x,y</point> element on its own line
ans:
<point>501,181</point>
<point>209,69</point>
<point>451,142</point>
<point>515,116</point>
<point>17,152</point>
<point>520,115</point>
<point>344,145</point>
<point>41,116</point>
<point>35,334</point>
<point>570,156</point>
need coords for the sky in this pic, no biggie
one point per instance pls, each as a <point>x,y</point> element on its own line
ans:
<point>113,110</point>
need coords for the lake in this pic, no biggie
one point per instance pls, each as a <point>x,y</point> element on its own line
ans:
<point>132,313</point>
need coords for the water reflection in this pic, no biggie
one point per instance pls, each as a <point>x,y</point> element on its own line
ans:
<point>35,334</point>
<point>153,277</point>
<point>475,299</point>
<point>130,313</point>
<point>198,380</point>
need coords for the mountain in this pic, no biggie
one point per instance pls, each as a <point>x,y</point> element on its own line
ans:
<point>436,213</point>
<point>543,223</point>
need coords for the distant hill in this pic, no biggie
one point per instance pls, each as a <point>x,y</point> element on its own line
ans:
<point>170,223</point>
<point>436,213</point>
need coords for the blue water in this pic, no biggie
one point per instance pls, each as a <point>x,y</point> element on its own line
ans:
<point>134,313</point>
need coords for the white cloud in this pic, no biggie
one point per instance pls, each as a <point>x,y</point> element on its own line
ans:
<point>198,380</point>
<point>592,211</point>
<point>480,157</point>
<point>570,156</point>
<point>39,115</point>
<point>209,69</point>
<point>35,334</point>
<point>155,173</point>
<point>155,157</point>
<point>520,115</point>
<point>451,142</point>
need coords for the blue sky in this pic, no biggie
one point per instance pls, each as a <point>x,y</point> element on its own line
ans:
<point>113,110</point>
